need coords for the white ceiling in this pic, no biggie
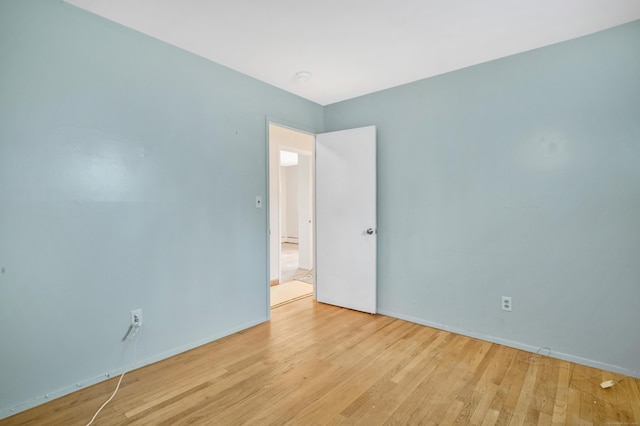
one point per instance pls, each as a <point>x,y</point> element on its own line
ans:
<point>355,47</point>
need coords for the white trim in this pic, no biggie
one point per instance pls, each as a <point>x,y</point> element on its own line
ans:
<point>278,122</point>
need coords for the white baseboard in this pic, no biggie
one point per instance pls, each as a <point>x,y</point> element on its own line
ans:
<point>517,345</point>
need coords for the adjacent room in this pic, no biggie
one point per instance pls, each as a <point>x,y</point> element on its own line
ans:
<point>147,211</point>
<point>291,214</point>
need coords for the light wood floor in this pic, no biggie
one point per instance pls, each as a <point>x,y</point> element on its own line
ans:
<point>315,364</point>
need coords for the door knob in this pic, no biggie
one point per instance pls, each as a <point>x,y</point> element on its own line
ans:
<point>370,231</point>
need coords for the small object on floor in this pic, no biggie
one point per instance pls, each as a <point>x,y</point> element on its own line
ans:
<point>607,384</point>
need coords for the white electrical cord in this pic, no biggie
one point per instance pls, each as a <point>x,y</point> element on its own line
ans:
<point>134,331</point>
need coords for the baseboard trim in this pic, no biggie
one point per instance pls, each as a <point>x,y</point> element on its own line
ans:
<point>7,412</point>
<point>516,345</point>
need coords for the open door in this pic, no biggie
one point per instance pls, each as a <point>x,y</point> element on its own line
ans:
<point>346,218</point>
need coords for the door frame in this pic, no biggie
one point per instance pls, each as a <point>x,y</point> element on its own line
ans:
<point>311,154</point>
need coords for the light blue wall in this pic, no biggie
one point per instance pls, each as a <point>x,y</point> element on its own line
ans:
<point>518,177</point>
<point>128,176</point>
<point>128,171</point>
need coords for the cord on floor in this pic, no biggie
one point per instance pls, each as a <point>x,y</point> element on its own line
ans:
<point>136,333</point>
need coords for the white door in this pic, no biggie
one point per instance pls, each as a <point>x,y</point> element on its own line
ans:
<point>346,218</point>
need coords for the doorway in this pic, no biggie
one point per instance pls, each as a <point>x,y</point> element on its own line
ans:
<point>291,210</point>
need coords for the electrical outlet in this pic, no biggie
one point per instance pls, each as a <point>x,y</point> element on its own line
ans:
<point>136,317</point>
<point>506,303</point>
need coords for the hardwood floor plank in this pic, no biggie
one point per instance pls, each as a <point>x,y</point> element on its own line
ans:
<point>435,387</point>
<point>316,364</point>
<point>357,377</point>
<point>490,418</point>
<point>507,396</point>
<point>453,413</point>
<point>418,356</point>
<point>525,397</point>
<point>483,406</point>
<point>562,397</point>
<point>545,419</point>
<point>573,407</point>
<point>631,387</point>
<point>545,388</point>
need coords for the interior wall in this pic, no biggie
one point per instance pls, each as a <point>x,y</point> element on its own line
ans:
<point>518,177</point>
<point>282,190</point>
<point>128,173</point>
<point>290,206</point>
<point>305,212</point>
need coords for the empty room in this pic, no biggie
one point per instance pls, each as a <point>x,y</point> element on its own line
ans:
<point>471,233</point>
